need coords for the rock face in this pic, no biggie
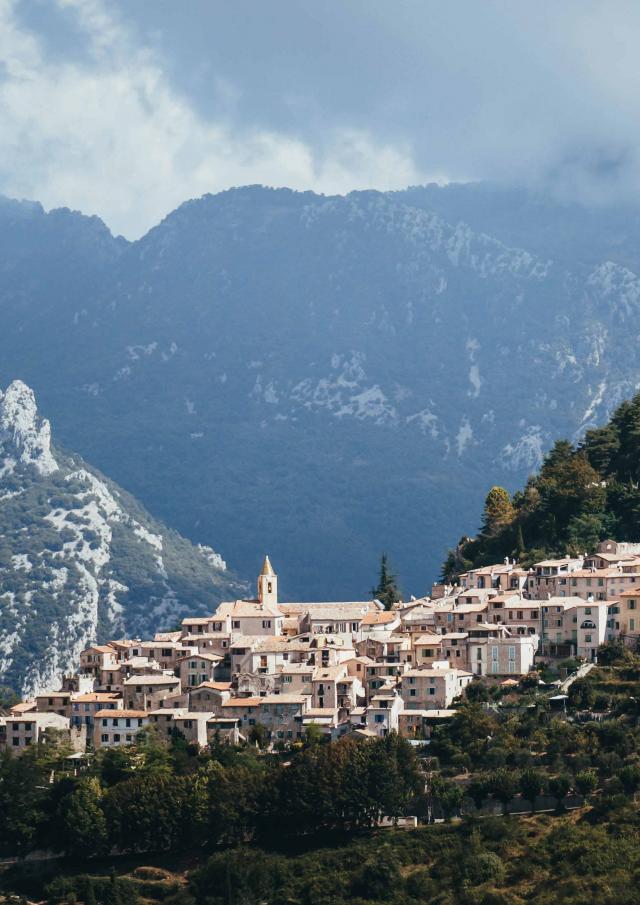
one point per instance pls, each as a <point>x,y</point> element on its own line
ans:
<point>25,439</point>
<point>324,378</point>
<point>80,560</point>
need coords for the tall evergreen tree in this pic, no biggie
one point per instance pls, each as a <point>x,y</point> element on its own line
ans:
<point>387,591</point>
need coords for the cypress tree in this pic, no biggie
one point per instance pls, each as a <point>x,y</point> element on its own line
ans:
<point>387,591</point>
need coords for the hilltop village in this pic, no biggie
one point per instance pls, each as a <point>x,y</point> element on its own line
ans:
<point>264,671</point>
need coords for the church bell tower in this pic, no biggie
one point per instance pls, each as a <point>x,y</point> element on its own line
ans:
<point>267,585</point>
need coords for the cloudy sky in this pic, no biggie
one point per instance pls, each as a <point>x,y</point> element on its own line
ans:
<point>125,108</point>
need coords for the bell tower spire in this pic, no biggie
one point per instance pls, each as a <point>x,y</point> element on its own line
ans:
<point>267,584</point>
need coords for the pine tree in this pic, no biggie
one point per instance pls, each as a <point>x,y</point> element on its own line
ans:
<point>498,511</point>
<point>387,591</point>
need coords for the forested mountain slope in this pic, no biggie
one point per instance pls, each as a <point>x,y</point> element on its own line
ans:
<point>583,493</point>
<point>323,378</point>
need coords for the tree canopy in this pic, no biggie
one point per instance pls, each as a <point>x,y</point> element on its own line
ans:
<point>582,494</point>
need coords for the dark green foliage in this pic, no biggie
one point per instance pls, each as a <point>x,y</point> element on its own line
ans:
<point>580,496</point>
<point>386,591</point>
<point>22,802</point>
<point>499,861</point>
<point>152,799</point>
<point>8,697</point>
<point>303,831</point>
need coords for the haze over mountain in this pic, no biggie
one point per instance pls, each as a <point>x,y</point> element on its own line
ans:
<point>319,377</point>
<point>80,559</point>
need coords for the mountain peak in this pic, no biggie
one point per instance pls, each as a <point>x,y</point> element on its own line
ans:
<point>25,437</point>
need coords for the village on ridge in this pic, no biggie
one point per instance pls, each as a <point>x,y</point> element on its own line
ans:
<point>270,670</point>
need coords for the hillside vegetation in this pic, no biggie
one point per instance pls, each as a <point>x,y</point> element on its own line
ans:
<point>299,827</point>
<point>581,495</point>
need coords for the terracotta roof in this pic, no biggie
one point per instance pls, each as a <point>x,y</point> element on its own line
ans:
<point>497,569</point>
<point>23,707</point>
<point>195,655</point>
<point>284,699</point>
<point>430,714</point>
<point>522,604</point>
<point>167,643</point>
<point>340,610</point>
<point>96,696</point>
<point>193,715</point>
<point>429,671</point>
<point>248,609</point>
<point>117,714</point>
<point>328,673</point>
<point>377,618</point>
<point>242,702</point>
<point>205,636</point>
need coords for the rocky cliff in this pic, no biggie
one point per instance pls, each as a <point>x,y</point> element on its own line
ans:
<point>80,559</point>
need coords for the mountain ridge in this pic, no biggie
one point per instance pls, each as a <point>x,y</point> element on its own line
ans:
<point>276,354</point>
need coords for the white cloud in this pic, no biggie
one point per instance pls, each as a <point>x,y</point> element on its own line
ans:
<point>108,134</point>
